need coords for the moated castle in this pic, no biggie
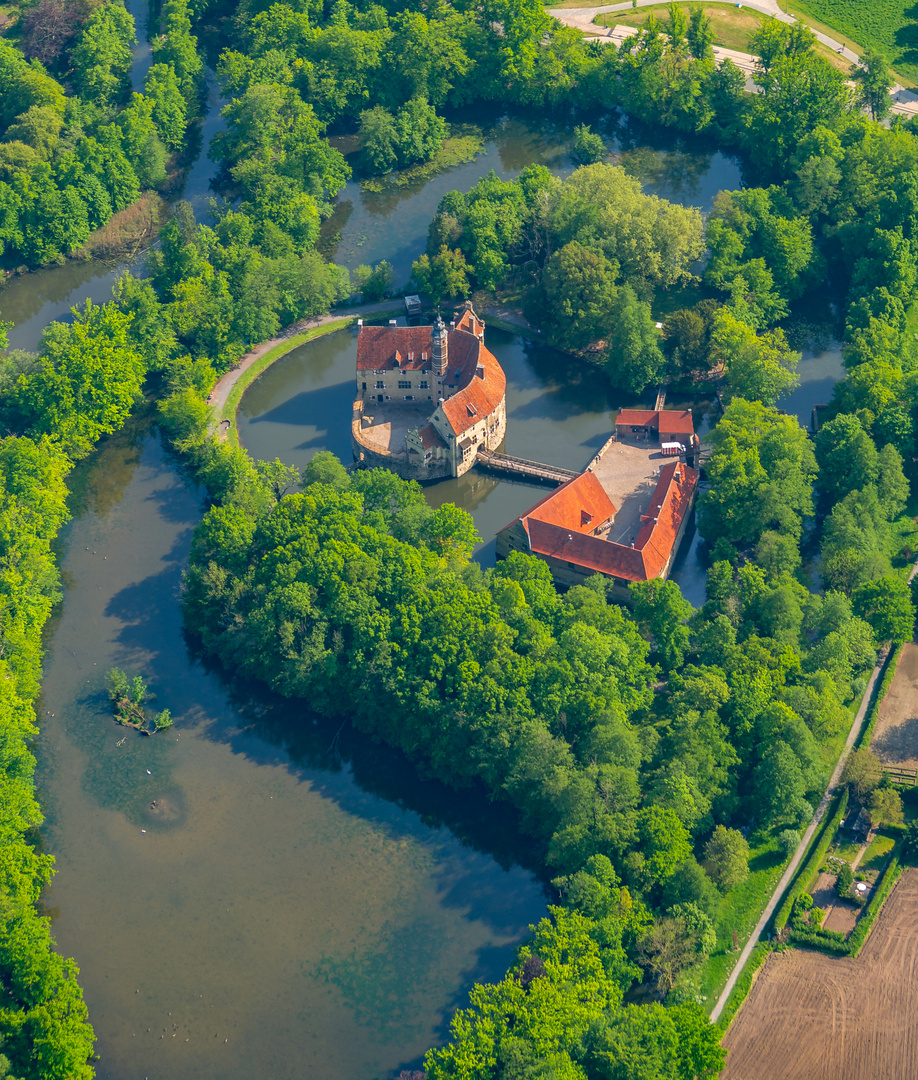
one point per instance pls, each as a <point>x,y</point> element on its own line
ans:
<point>428,397</point>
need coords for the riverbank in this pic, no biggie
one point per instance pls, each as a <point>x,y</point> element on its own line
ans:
<point>228,389</point>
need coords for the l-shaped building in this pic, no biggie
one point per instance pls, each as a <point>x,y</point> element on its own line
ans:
<point>572,528</point>
<point>428,397</point>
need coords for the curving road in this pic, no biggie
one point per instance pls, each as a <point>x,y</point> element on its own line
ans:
<point>905,101</point>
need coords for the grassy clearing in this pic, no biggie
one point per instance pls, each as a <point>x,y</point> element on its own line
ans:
<point>732,26</point>
<point>878,852</point>
<point>847,851</point>
<point>744,984</point>
<point>264,362</point>
<point>889,26</point>
<point>454,151</point>
<point>740,911</point>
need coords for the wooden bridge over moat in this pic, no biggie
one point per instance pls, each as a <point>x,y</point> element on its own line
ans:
<point>522,469</point>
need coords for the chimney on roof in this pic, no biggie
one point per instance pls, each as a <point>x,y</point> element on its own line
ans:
<point>439,355</point>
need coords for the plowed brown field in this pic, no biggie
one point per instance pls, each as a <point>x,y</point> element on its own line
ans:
<point>814,1017</point>
<point>895,740</point>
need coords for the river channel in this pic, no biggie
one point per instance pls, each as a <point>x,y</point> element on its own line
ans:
<point>257,892</point>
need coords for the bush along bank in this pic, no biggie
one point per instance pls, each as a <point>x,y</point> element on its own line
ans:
<point>553,702</point>
<point>44,1033</point>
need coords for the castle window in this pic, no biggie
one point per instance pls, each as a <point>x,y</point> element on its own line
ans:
<point>422,385</point>
<point>380,385</point>
<point>403,384</point>
<point>409,397</point>
<point>364,386</point>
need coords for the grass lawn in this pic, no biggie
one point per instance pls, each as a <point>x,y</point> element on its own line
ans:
<point>732,26</point>
<point>846,851</point>
<point>890,26</point>
<point>879,851</point>
<point>740,911</point>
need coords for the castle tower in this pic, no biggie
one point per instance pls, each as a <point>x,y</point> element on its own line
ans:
<point>439,352</point>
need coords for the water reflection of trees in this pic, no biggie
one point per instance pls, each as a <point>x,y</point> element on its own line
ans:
<point>98,483</point>
<point>322,749</point>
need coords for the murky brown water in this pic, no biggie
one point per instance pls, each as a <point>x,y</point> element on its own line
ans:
<point>298,902</point>
<point>294,904</point>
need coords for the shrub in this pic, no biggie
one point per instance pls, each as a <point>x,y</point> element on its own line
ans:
<point>789,841</point>
<point>844,881</point>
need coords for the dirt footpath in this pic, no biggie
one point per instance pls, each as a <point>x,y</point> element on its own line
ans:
<point>811,1016</point>
<point>895,738</point>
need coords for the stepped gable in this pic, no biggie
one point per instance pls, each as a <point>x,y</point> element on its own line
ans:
<point>430,437</point>
<point>380,348</point>
<point>560,534</point>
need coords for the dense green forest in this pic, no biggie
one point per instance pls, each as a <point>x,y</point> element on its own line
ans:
<point>76,145</point>
<point>654,753</point>
<point>43,1025</point>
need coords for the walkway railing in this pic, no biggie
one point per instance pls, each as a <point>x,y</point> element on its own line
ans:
<point>520,467</point>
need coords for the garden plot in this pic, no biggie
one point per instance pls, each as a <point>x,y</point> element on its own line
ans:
<point>815,1017</point>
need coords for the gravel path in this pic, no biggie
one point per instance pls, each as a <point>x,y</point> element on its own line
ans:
<point>224,385</point>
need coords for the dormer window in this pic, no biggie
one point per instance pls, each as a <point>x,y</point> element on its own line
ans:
<point>585,518</point>
<point>471,410</point>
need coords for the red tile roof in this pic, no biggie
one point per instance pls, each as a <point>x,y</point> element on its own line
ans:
<point>377,347</point>
<point>568,506</point>
<point>675,422</point>
<point>636,417</point>
<point>430,437</point>
<point>477,397</point>
<point>666,421</point>
<point>561,538</point>
<point>671,501</point>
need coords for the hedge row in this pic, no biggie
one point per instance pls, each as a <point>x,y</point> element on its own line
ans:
<point>832,940</point>
<point>817,854</point>
<point>827,940</point>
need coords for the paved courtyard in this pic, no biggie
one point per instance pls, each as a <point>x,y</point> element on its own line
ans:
<point>389,424</point>
<point>628,474</point>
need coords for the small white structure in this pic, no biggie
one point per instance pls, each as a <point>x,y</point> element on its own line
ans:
<point>672,449</point>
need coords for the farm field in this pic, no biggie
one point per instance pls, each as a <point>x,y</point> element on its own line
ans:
<point>895,739</point>
<point>890,26</point>
<point>810,1016</point>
